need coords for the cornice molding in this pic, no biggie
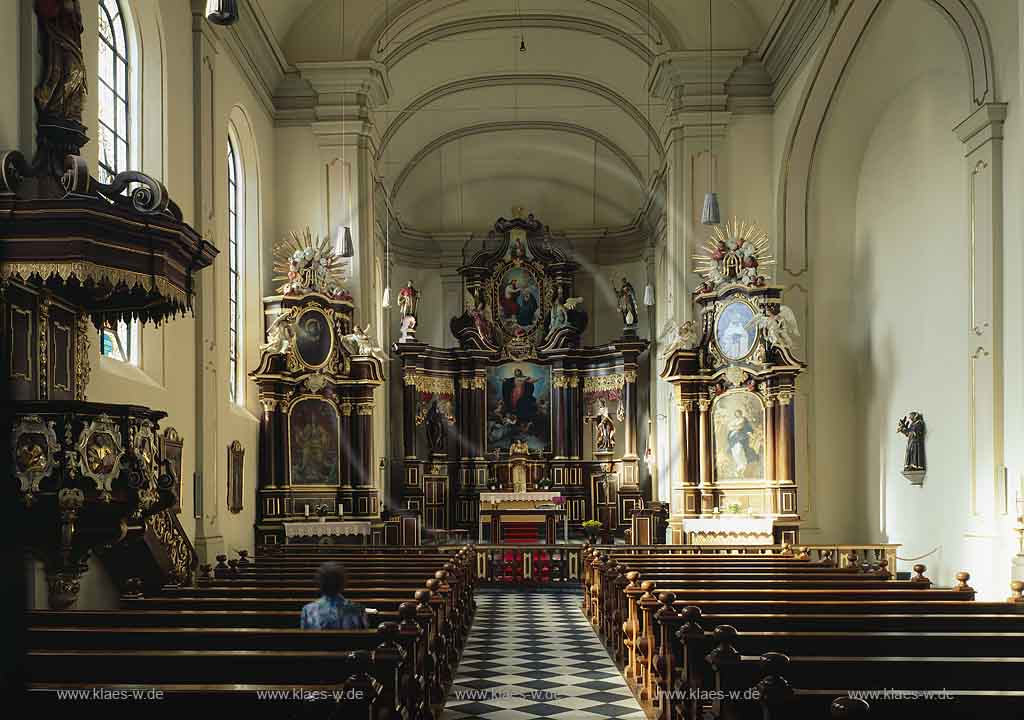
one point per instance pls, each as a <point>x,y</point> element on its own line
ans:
<point>358,77</point>
<point>789,41</point>
<point>512,79</point>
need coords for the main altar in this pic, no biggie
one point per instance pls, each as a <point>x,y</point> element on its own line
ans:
<point>521,406</point>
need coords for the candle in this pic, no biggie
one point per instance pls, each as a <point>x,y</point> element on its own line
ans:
<point>307,509</point>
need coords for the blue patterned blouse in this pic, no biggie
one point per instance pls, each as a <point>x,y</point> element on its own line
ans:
<point>333,613</point>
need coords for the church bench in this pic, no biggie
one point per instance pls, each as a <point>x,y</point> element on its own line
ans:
<point>260,619</point>
<point>976,684</point>
<point>404,640</point>
<point>442,640</point>
<point>375,672</point>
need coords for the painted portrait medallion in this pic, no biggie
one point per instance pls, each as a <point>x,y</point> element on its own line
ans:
<point>313,338</point>
<point>735,330</point>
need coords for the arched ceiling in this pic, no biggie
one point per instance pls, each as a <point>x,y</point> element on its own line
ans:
<point>475,126</point>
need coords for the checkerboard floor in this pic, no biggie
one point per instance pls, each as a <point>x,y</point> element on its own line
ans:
<point>533,654</point>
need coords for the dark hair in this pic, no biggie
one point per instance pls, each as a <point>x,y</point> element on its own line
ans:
<point>331,578</point>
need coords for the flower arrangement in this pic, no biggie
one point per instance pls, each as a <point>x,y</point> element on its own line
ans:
<point>591,525</point>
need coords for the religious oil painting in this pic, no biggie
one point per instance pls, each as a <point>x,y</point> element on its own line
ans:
<point>519,406</point>
<point>313,443</point>
<point>739,436</point>
<point>313,338</point>
<point>519,300</point>
<point>735,330</point>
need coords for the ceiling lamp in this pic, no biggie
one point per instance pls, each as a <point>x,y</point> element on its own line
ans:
<point>222,12</point>
<point>343,241</point>
<point>710,214</point>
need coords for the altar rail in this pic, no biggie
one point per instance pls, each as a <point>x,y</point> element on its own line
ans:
<point>543,564</point>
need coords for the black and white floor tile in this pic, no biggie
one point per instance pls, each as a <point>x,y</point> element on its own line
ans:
<point>532,654</point>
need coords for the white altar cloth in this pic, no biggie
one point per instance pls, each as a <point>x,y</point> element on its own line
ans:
<point>506,497</point>
<point>728,530</point>
<point>328,527</point>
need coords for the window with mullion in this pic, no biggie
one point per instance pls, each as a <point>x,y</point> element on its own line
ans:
<point>112,75</point>
<point>234,279</point>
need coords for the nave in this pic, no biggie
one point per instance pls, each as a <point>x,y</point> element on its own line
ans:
<point>532,653</point>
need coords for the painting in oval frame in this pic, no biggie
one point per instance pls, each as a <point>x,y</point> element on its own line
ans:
<point>314,339</point>
<point>735,332</point>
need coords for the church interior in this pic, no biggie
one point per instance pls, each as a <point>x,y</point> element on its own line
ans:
<point>585,358</point>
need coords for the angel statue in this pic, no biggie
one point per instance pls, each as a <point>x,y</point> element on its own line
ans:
<point>560,311</point>
<point>359,342</point>
<point>279,335</point>
<point>684,336</point>
<point>780,327</point>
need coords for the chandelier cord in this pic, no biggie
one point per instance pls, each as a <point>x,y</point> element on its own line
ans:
<point>711,111</point>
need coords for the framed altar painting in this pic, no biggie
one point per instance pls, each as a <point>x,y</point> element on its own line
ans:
<point>738,419</point>
<point>519,406</point>
<point>519,300</point>
<point>313,442</point>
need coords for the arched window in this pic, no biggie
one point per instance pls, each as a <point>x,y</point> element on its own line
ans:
<point>234,278</point>
<point>115,147</point>
<point>112,86</point>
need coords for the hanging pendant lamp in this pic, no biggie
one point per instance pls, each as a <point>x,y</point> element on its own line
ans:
<point>343,240</point>
<point>710,214</point>
<point>222,12</point>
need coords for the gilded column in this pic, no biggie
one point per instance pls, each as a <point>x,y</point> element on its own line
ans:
<point>770,431</point>
<point>362,436</point>
<point>784,448</point>
<point>347,454</point>
<point>629,423</point>
<point>705,451</point>
<point>558,414</point>
<point>409,414</point>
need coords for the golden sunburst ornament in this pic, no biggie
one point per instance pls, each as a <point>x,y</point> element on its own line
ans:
<point>308,263</point>
<point>737,252</point>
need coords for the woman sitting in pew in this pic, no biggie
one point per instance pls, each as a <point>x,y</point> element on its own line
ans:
<point>332,611</point>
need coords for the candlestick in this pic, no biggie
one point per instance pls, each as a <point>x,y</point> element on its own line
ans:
<point>307,509</point>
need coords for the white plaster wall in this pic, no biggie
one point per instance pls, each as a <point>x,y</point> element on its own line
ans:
<point>910,284</point>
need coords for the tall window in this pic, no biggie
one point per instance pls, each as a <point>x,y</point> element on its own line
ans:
<point>121,341</point>
<point>234,284</point>
<point>112,85</point>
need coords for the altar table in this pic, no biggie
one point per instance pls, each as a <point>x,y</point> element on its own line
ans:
<point>728,530</point>
<point>327,528</point>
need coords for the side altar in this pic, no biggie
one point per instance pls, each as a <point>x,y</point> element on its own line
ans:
<point>316,377</point>
<point>735,376</point>
<point>521,405</point>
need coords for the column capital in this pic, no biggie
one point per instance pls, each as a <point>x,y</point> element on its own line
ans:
<point>685,78</point>
<point>982,125</point>
<point>367,80</point>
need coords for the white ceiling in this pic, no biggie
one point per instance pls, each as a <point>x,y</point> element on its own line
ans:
<point>474,126</point>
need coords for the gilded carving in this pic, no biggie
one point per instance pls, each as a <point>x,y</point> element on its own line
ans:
<point>432,384</point>
<point>100,452</point>
<point>736,376</point>
<point>345,408</point>
<point>562,380</point>
<point>364,409</point>
<point>477,382</point>
<point>603,383</point>
<point>44,347</point>
<point>704,405</point>
<point>181,554</point>
<point>629,376</point>
<point>35,444</point>
<point>90,271</point>
<point>785,397</point>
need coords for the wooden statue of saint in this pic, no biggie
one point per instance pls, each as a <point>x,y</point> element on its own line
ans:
<point>912,426</point>
<point>435,422</point>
